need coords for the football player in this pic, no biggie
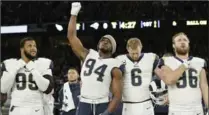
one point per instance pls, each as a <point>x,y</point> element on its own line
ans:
<point>99,72</point>
<point>185,77</point>
<point>137,70</point>
<point>28,78</point>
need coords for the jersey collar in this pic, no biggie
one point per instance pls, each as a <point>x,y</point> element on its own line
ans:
<point>189,58</point>
<point>140,57</point>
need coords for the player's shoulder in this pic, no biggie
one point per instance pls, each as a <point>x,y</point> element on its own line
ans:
<point>150,54</point>
<point>111,59</point>
<point>122,56</point>
<point>169,58</point>
<point>93,51</point>
<point>42,59</point>
<point>113,62</point>
<point>10,61</point>
<point>44,62</point>
<point>198,60</point>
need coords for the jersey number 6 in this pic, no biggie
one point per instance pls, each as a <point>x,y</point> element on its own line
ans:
<point>99,71</point>
<point>136,79</point>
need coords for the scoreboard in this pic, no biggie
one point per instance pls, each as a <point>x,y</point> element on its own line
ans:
<point>104,25</point>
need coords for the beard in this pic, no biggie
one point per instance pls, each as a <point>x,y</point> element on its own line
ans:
<point>182,51</point>
<point>105,51</point>
<point>29,56</point>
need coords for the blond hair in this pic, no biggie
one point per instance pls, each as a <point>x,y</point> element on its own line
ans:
<point>178,34</point>
<point>133,43</point>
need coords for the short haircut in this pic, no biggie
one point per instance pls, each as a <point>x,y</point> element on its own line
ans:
<point>22,41</point>
<point>177,34</point>
<point>133,43</point>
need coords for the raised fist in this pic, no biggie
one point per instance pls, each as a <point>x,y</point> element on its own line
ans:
<point>75,8</point>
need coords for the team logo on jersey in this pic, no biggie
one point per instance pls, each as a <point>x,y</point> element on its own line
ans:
<point>37,110</point>
<point>136,64</point>
<point>124,62</point>
<point>26,70</point>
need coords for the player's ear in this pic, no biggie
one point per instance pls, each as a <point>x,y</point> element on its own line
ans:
<point>127,49</point>
<point>21,49</point>
<point>173,46</point>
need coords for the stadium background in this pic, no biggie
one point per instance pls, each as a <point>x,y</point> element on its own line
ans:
<point>153,22</point>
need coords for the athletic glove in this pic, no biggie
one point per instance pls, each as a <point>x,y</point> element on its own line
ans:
<point>75,8</point>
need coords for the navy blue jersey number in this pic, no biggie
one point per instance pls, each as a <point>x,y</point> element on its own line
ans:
<point>136,79</point>
<point>182,83</point>
<point>21,81</point>
<point>99,70</point>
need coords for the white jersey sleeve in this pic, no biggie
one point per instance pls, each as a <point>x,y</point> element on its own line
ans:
<point>7,77</point>
<point>45,71</point>
<point>121,62</point>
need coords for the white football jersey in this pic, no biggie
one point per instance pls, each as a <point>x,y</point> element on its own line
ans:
<point>25,92</point>
<point>96,76</point>
<point>187,90</point>
<point>137,76</point>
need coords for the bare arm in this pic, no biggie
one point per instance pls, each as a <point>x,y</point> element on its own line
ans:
<point>168,75</point>
<point>75,43</point>
<point>3,99</point>
<point>116,89</point>
<point>204,86</point>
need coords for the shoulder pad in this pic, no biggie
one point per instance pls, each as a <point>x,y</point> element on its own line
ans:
<point>45,62</point>
<point>151,54</point>
<point>9,62</point>
<point>200,61</point>
<point>44,59</point>
<point>92,51</point>
<point>120,57</point>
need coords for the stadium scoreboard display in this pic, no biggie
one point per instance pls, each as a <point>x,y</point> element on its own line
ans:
<point>142,24</point>
<point>105,25</point>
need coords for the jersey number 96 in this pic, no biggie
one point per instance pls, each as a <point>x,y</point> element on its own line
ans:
<point>182,83</point>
